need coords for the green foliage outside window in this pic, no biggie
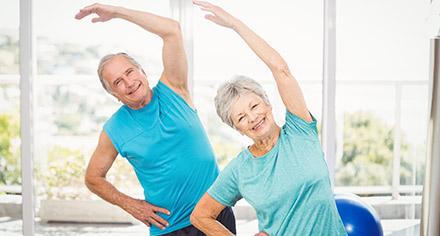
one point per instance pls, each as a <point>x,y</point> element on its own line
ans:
<point>367,160</point>
<point>62,177</point>
<point>9,150</point>
<point>368,153</point>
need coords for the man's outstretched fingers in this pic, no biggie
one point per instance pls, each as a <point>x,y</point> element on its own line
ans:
<point>160,220</point>
<point>152,221</point>
<point>161,210</point>
<point>146,223</point>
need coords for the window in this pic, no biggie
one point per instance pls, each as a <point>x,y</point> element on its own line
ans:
<point>72,106</point>
<point>10,169</point>
<point>382,98</point>
<point>381,93</point>
<point>293,28</point>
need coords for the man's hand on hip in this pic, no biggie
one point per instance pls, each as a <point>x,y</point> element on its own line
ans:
<point>147,213</point>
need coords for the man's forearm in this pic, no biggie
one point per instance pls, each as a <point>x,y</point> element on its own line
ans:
<point>155,24</point>
<point>104,189</point>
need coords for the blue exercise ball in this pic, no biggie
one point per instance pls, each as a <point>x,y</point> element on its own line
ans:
<point>359,218</point>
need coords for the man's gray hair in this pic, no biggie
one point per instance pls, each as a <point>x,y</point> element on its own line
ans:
<point>106,59</point>
<point>231,90</point>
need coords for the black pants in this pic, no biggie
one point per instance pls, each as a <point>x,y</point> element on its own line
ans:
<point>226,217</point>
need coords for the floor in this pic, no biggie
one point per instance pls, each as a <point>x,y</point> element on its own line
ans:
<point>10,227</point>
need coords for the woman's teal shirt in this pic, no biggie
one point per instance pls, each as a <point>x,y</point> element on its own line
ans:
<point>289,186</point>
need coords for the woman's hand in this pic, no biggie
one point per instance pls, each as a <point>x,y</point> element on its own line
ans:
<point>218,15</point>
<point>103,12</point>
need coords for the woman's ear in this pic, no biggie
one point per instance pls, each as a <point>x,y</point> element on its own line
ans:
<point>242,134</point>
<point>269,105</point>
<point>235,128</point>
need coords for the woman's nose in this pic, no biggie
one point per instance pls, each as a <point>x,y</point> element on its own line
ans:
<point>252,117</point>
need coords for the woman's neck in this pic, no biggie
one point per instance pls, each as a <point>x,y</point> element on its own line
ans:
<point>264,145</point>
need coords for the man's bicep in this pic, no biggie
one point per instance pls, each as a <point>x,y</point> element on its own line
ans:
<point>103,157</point>
<point>174,61</point>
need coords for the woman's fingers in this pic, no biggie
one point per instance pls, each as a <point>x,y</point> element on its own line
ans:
<point>82,13</point>
<point>202,4</point>
<point>206,6</point>
<point>217,14</point>
<point>96,19</point>
<point>213,19</point>
<point>205,9</point>
<point>85,11</point>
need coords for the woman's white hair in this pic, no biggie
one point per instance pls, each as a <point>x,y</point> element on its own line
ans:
<point>106,59</point>
<point>231,90</point>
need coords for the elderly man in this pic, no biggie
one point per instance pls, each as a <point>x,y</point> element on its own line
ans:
<point>157,130</point>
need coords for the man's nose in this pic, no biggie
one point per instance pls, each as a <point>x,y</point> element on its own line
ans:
<point>130,82</point>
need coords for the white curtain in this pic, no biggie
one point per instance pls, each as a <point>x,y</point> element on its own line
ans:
<point>430,224</point>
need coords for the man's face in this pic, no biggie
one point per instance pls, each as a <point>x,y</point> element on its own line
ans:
<point>127,82</point>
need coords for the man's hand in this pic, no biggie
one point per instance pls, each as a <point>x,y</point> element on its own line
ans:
<point>146,213</point>
<point>104,12</point>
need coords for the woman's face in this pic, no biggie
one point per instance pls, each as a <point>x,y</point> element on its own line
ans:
<point>252,117</point>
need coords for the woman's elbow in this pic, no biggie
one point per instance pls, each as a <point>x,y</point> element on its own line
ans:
<point>280,68</point>
<point>195,218</point>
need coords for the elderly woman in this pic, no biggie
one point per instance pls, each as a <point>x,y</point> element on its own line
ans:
<point>283,174</point>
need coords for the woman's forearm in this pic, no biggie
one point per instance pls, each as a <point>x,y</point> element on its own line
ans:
<point>204,217</point>
<point>210,226</point>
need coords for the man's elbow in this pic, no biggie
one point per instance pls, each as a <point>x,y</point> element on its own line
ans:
<point>175,27</point>
<point>173,30</point>
<point>90,181</point>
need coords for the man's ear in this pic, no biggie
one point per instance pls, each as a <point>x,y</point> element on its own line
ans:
<point>114,95</point>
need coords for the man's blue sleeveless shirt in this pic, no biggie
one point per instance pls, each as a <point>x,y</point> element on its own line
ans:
<point>169,150</point>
